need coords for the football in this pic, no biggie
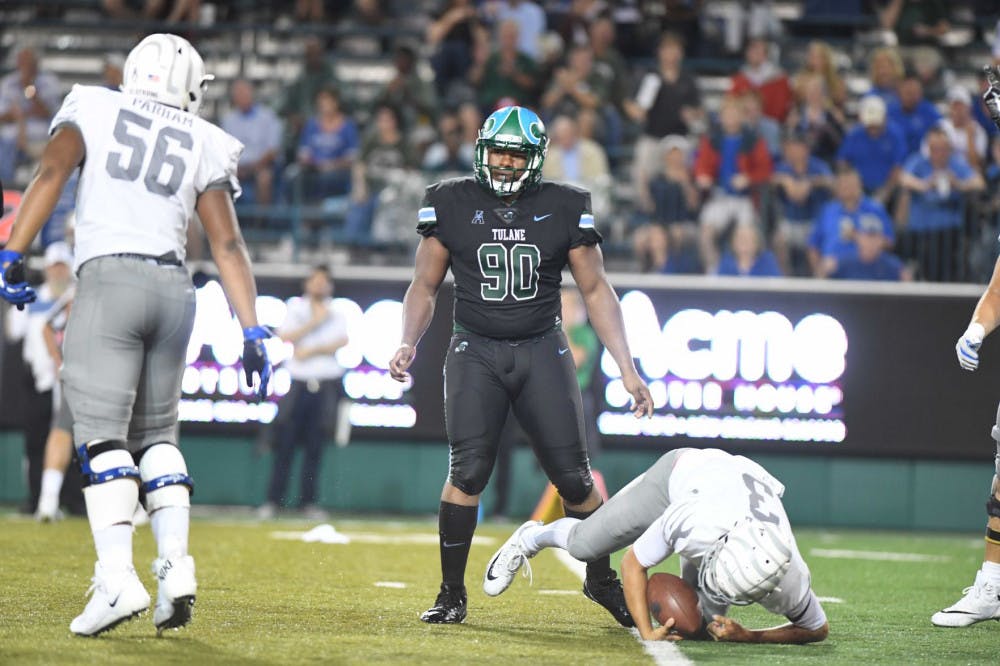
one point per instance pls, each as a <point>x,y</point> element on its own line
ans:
<point>669,596</point>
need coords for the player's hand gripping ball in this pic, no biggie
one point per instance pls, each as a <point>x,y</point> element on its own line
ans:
<point>670,597</point>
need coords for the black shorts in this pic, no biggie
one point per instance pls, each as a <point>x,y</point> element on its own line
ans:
<point>484,378</point>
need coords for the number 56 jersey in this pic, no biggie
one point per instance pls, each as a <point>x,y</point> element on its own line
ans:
<point>144,167</point>
<point>507,260</point>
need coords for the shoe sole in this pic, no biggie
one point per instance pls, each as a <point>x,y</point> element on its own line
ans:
<point>181,616</point>
<point>114,624</point>
<point>433,621</point>
<point>587,593</point>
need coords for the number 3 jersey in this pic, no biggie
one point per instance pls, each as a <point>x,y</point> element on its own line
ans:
<point>507,260</point>
<point>709,491</point>
<point>144,167</point>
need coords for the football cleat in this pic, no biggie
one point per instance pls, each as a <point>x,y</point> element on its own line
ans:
<point>507,561</point>
<point>116,596</point>
<point>175,597</point>
<point>981,602</point>
<point>448,608</point>
<point>608,592</point>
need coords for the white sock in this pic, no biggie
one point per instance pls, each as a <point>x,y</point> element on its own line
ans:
<point>992,571</point>
<point>170,529</point>
<point>48,498</point>
<point>114,547</point>
<point>553,535</point>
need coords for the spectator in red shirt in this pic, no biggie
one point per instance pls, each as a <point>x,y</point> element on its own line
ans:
<point>760,74</point>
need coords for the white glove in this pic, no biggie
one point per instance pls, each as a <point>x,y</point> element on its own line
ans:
<point>968,346</point>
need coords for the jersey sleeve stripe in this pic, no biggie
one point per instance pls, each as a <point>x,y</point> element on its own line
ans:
<point>427,215</point>
<point>586,221</point>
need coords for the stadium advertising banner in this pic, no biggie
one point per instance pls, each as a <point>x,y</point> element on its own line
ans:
<point>747,365</point>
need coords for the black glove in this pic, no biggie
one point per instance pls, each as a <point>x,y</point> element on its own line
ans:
<point>255,358</point>
<point>992,95</point>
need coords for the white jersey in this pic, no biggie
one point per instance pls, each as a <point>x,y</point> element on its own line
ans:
<point>710,491</point>
<point>144,168</point>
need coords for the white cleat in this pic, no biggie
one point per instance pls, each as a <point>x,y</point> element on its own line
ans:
<point>981,602</point>
<point>117,596</point>
<point>507,561</point>
<point>175,598</point>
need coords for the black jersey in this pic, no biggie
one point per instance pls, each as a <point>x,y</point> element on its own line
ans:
<point>507,260</point>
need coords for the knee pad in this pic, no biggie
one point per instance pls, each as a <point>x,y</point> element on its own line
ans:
<point>165,480</point>
<point>470,474</point>
<point>573,488</point>
<point>110,480</point>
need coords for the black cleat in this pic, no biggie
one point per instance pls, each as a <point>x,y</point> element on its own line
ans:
<point>609,593</point>
<point>448,608</point>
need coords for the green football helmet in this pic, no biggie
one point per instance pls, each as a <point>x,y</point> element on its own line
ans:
<point>511,128</point>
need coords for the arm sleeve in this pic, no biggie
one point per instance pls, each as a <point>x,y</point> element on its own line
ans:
<point>584,232</point>
<point>217,163</point>
<point>427,221</point>
<point>651,547</point>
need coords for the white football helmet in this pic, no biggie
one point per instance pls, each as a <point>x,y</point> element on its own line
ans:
<point>167,69</point>
<point>746,564</point>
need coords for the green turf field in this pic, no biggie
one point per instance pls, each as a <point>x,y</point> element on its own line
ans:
<point>263,600</point>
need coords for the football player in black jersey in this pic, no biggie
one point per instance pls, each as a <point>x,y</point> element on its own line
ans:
<point>507,236</point>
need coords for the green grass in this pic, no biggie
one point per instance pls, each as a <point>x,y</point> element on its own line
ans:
<point>268,601</point>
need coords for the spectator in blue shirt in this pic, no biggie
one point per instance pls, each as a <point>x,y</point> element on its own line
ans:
<point>328,147</point>
<point>747,256</point>
<point>833,234</point>
<point>875,149</point>
<point>937,185</point>
<point>868,260</point>
<point>259,130</point>
<point>802,184</point>
<point>913,114</point>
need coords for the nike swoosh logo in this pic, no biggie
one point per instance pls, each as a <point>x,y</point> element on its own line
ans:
<point>563,351</point>
<point>112,603</point>
<point>453,545</point>
<point>489,572</point>
<point>539,218</point>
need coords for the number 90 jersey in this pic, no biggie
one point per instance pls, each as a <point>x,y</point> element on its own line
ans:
<point>507,260</point>
<point>144,167</point>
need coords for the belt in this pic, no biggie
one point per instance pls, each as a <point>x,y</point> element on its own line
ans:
<point>168,259</point>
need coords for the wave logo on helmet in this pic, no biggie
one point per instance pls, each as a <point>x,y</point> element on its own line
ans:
<point>512,128</point>
<point>746,564</point>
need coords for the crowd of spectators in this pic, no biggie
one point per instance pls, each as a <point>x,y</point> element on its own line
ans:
<point>875,168</point>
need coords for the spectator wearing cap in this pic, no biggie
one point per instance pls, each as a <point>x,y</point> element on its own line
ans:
<point>875,148</point>
<point>833,233</point>
<point>505,74</point>
<point>669,224</point>
<point>937,185</point>
<point>913,113</point>
<point>869,260</point>
<point>967,138</point>
<point>28,326</point>
<point>747,256</point>
<point>803,184</point>
<point>259,129</point>
<point>732,161</point>
<point>761,74</point>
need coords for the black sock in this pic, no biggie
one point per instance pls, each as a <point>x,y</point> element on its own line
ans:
<point>600,568</point>
<point>456,525</point>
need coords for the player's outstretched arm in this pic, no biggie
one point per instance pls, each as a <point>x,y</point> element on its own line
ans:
<point>63,154</point>
<point>587,265</point>
<point>634,580</point>
<point>985,318</point>
<point>429,269</point>
<point>727,629</point>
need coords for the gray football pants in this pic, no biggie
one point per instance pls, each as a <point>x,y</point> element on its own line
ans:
<point>123,356</point>
<point>623,518</point>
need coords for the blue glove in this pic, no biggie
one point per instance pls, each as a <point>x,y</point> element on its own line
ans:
<point>255,357</point>
<point>13,286</point>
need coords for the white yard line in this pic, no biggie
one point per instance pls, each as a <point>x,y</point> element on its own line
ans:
<point>876,555</point>
<point>392,584</point>
<point>664,653</point>
<point>830,600</point>
<point>382,539</point>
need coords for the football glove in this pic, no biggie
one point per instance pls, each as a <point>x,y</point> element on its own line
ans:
<point>13,286</point>
<point>968,346</point>
<point>992,95</point>
<point>255,358</point>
